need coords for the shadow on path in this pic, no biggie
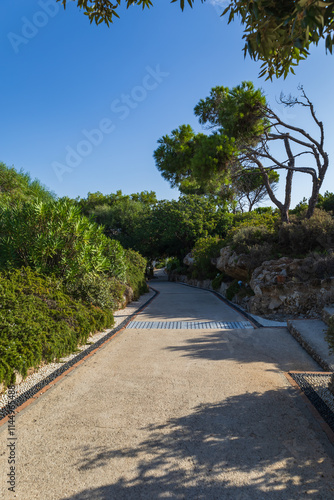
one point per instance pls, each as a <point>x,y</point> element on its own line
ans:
<point>247,447</point>
<point>274,346</point>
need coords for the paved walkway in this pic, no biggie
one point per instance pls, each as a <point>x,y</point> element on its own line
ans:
<point>184,414</point>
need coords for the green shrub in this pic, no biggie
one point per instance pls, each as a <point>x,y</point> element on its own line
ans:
<point>240,289</point>
<point>40,322</point>
<point>172,264</point>
<point>204,250</point>
<point>97,289</point>
<point>219,279</point>
<point>52,238</point>
<point>232,290</point>
<point>264,218</point>
<point>160,265</point>
<point>135,273</point>
<point>303,235</point>
<point>244,238</point>
<point>17,187</point>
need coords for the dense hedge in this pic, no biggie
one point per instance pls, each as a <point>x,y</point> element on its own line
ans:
<point>135,273</point>
<point>40,322</point>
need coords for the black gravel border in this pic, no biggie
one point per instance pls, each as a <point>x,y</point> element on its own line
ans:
<point>22,398</point>
<point>319,404</point>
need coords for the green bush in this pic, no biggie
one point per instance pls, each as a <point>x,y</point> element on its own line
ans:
<point>52,238</point>
<point>204,250</point>
<point>97,289</point>
<point>303,235</point>
<point>17,187</point>
<point>172,264</point>
<point>240,289</point>
<point>40,322</point>
<point>232,290</point>
<point>135,273</point>
<point>244,238</point>
<point>259,217</point>
<point>219,279</point>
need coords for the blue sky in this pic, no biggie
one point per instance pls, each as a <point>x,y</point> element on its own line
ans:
<point>82,106</point>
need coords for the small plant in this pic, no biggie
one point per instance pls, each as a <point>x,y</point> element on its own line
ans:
<point>219,279</point>
<point>232,290</point>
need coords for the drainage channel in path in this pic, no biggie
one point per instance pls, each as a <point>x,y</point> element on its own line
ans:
<point>189,325</point>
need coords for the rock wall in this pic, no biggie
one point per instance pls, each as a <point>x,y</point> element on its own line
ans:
<point>232,264</point>
<point>198,283</point>
<point>288,286</point>
<point>284,287</point>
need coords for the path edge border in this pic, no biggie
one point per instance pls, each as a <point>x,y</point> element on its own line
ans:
<point>314,412</point>
<point>43,385</point>
<point>221,297</point>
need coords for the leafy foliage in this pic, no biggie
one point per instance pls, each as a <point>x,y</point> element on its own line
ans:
<point>173,227</point>
<point>17,187</point>
<point>280,33</point>
<point>304,235</point>
<point>326,202</point>
<point>98,290</point>
<point>204,250</point>
<point>219,279</point>
<point>52,237</point>
<point>209,164</point>
<point>41,322</point>
<point>239,112</point>
<point>105,10</point>
<point>136,266</point>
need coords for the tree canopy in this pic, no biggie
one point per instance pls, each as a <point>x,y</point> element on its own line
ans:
<point>279,33</point>
<point>244,128</point>
<point>208,164</point>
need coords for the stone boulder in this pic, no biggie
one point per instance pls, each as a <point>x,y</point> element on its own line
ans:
<point>233,264</point>
<point>289,287</point>
<point>189,259</point>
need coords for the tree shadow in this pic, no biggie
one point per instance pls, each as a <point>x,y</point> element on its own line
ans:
<point>268,345</point>
<point>249,446</point>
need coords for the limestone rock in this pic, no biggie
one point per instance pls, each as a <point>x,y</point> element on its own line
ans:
<point>290,287</point>
<point>232,264</point>
<point>189,259</point>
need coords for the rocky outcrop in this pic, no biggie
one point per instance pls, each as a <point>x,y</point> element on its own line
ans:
<point>290,287</point>
<point>233,264</point>
<point>189,259</point>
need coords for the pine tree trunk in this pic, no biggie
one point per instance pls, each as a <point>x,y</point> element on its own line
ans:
<point>313,199</point>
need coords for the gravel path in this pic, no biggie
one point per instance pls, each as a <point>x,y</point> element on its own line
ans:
<point>184,414</point>
<point>45,371</point>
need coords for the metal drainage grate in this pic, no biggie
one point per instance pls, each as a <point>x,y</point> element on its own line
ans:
<point>315,388</point>
<point>189,325</point>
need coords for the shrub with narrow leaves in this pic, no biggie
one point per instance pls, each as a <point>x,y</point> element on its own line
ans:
<point>39,321</point>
